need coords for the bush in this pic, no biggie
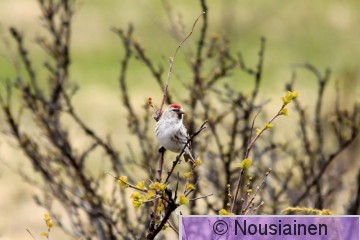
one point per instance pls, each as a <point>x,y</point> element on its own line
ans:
<point>305,162</point>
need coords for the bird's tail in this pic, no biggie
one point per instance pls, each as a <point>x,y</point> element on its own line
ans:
<point>188,157</point>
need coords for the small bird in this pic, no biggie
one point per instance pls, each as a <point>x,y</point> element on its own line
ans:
<point>171,132</point>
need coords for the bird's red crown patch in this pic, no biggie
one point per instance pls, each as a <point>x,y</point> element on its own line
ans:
<point>174,105</point>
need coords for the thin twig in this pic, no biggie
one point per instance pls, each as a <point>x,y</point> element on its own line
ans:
<point>127,183</point>
<point>193,199</point>
<point>31,234</point>
<point>173,228</point>
<point>251,131</point>
<point>257,190</point>
<point>237,189</point>
<point>172,59</point>
<point>251,144</point>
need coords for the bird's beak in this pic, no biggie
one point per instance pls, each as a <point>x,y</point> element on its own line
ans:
<point>181,111</point>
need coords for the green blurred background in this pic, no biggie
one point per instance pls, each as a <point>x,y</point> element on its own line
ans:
<point>324,33</point>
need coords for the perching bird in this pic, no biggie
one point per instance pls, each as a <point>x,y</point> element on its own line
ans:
<point>171,132</point>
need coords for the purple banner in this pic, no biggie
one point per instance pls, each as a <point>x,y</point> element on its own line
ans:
<point>272,228</point>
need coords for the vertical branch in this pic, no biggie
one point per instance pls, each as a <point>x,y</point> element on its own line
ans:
<point>154,216</point>
<point>201,42</point>
<point>197,66</point>
<point>259,69</point>
<point>134,121</point>
<point>322,81</point>
<point>257,74</point>
<point>238,187</point>
<point>26,61</point>
<point>354,208</point>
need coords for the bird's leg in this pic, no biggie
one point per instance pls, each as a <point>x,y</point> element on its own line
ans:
<point>161,163</point>
<point>162,150</point>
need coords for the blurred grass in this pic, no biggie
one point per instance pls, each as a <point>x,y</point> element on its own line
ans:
<point>323,32</point>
